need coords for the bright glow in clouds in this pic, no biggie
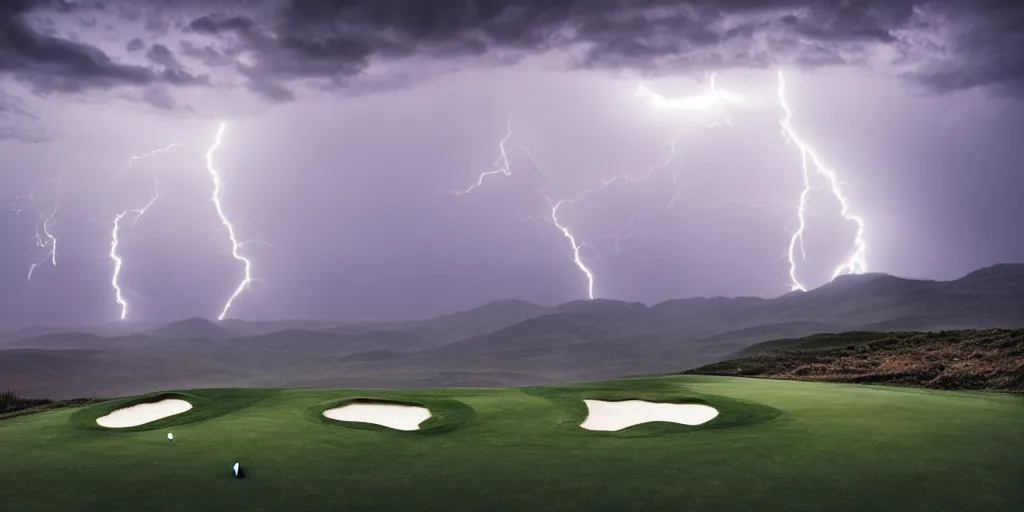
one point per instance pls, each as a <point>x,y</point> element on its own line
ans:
<point>713,99</point>
<point>717,98</point>
<point>236,246</point>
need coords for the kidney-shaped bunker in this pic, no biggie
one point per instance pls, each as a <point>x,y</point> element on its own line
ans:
<point>398,417</point>
<point>612,416</point>
<point>143,413</point>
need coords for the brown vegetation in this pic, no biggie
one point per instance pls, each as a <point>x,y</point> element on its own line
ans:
<point>991,359</point>
<point>12,405</point>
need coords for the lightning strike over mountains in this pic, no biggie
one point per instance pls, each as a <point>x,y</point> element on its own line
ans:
<point>115,231</point>
<point>718,99</point>
<point>115,242</point>
<point>857,263</point>
<point>576,246</point>
<point>236,246</point>
<point>713,99</point>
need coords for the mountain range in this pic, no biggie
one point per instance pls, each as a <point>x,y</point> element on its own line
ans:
<point>507,342</point>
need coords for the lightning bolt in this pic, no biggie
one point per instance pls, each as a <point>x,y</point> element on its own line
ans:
<point>857,263</point>
<point>46,239</point>
<point>134,158</point>
<point>714,98</point>
<point>719,99</point>
<point>501,162</point>
<point>18,205</point>
<point>236,247</point>
<point>115,239</point>
<point>576,246</point>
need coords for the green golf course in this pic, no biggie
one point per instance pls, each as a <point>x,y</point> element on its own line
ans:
<point>774,446</point>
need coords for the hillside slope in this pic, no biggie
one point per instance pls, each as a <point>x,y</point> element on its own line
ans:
<point>508,343</point>
<point>970,359</point>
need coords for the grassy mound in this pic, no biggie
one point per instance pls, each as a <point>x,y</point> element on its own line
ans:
<point>775,446</point>
<point>206,404</point>
<point>445,415</point>
<point>732,412</point>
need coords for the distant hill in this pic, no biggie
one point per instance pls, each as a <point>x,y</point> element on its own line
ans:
<point>991,359</point>
<point>459,325</point>
<point>510,342</point>
<point>191,329</point>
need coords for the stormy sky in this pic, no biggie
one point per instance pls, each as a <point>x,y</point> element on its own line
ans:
<point>354,128</point>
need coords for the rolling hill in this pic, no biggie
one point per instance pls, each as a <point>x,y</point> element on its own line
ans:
<point>505,342</point>
<point>990,359</point>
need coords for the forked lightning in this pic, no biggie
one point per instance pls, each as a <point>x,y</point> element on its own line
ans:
<point>115,231</point>
<point>236,246</point>
<point>857,263</point>
<point>115,242</point>
<point>46,239</point>
<point>501,161</point>
<point>716,99</point>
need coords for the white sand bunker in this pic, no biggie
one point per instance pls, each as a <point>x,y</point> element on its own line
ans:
<point>612,416</point>
<point>398,417</point>
<point>143,413</point>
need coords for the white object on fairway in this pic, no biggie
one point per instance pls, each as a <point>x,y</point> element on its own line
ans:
<point>143,413</point>
<point>170,436</point>
<point>612,416</point>
<point>236,467</point>
<point>398,417</point>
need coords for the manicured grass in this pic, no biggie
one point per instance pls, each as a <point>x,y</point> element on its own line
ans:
<point>776,445</point>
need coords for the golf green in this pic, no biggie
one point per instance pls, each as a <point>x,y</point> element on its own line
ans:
<point>775,446</point>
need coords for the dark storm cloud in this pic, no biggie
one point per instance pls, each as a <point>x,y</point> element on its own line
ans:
<point>984,49</point>
<point>173,72</point>
<point>208,55</point>
<point>50,64</point>
<point>162,55</point>
<point>331,39</point>
<point>160,98</point>
<point>135,45</point>
<point>952,45</point>
<point>17,122</point>
<point>218,25</point>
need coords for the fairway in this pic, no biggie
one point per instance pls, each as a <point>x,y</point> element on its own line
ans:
<point>774,446</point>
